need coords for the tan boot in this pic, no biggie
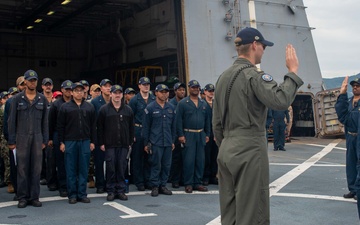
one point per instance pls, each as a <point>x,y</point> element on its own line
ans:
<point>10,188</point>
<point>91,183</point>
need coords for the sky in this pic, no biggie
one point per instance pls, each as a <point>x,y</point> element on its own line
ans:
<point>336,35</point>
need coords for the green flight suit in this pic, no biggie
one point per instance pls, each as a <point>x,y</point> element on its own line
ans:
<point>243,160</point>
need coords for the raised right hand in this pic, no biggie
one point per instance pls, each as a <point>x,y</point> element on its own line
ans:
<point>344,85</point>
<point>292,62</point>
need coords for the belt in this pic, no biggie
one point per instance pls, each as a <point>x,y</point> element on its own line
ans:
<point>352,134</point>
<point>193,131</point>
<point>138,125</point>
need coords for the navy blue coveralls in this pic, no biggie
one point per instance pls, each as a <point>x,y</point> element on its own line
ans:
<point>139,159</point>
<point>28,129</point>
<point>349,116</point>
<point>115,129</point>
<point>13,169</point>
<point>54,136</point>
<point>176,162</point>
<point>77,129</point>
<point>159,130</point>
<point>99,156</point>
<point>279,128</point>
<point>211,154</point>
<point>193,123</point>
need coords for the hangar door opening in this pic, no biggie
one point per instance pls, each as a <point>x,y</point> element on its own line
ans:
<point>116,39</point>
<point>303,116</point>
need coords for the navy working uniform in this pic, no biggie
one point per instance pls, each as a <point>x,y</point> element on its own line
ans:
<point>349,114</point>
<point>159,131</point>
<point>211,149</point>
<point>28,130</point>
<point>139,166</point>
<point>54,137</point>
<point>193,123</point>
<point>99,156</point>
<point>279,128</point>
<point>176,162</point>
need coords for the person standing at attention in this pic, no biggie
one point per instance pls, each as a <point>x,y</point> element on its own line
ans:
<point>28,134</point>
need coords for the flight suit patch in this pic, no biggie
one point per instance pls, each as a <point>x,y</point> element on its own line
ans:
<point>267,77</point>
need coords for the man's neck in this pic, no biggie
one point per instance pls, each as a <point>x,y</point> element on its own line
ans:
<point>106,98</point>
<point>48,96</point>
<point>160,102</point>
<point>66,99</point>
<point>117,105</point>
<point>178,99</point>
<point>144,95</point>
<point>78,102</point>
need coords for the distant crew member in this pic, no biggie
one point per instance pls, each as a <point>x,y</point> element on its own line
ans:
<point>348,112</point>
<point>279,127</point>
<point>211,149</point>
<point>177,162</point>
<point>129,94</point>
<point>139,159</point>
<point>159,137</point>
<point>104,98</point>
<point>28,134</point>
<point>77,130</point>
<point>193,131</point>
<point>115,129</point>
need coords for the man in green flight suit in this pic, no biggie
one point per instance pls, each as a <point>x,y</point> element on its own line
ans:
<point>239,117</point>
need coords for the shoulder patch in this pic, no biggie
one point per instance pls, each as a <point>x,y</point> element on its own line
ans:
<point>267,77</point>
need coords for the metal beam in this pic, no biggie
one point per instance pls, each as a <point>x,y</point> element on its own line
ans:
<point>67,18</point>
<point>36,12</point>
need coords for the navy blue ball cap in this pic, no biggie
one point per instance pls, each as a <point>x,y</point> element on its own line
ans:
<point>161,87</point>
<point>144,80</point>
<point>202,91</point>
<point>47,80</point>
<point>3,94</point>
<point>194,83</point>
<point>249,35</point>
<point>209,87</point>
<point>129,90</point>
<point>13,90</point>
<point>30,74</point>
<point>178,85</point>
<point>356,80</point>
<point>67,84</point>
<point>84,82</point>
<point>105,81</point>
<point>77,84</point>
<point>116,87</point>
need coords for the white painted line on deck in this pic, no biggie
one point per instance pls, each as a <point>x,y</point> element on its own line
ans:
<point>316,165</point>
<point>316,145</point>
<point>281,182</point>
<point>131,213</point>
<point>324,197</point>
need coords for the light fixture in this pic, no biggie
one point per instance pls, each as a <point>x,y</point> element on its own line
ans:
<point>65,2</point>
<point>228,16</point>
<point>228,35</point>
<point>38,20</point>
<point>50,13</point>
<point>225,2</point>
<point>30,27</point>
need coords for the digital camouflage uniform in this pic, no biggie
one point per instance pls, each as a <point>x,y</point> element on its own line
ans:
<point>4,150</point>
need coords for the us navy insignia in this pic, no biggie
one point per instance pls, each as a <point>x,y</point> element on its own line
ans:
<point>267,77</point>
